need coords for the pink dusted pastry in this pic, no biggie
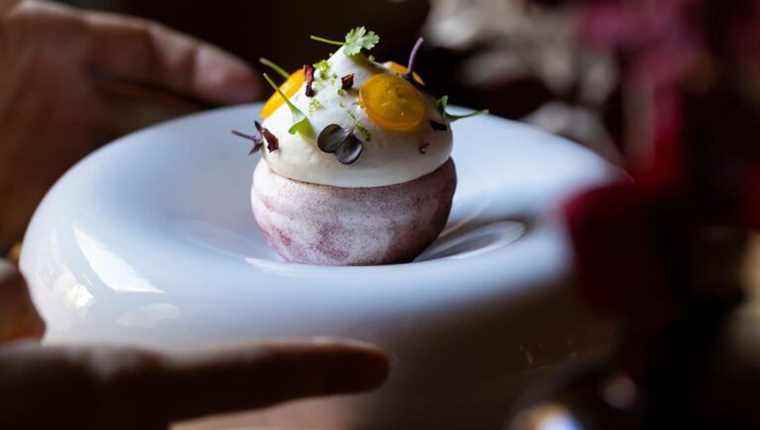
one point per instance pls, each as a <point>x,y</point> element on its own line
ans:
<point>356,166</point>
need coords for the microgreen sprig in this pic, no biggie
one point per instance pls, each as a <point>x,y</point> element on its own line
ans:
<point>443,103</point>
<point>276,68</point>
<point>409,76</point>
<point>301,122</point>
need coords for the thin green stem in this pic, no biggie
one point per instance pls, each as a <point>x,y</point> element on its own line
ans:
<point>279,91</point>
<point>451,117</point>
<point>272,65</point>
<point>328,41</point>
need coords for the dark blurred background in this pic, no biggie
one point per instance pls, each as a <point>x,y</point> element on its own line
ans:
<point>518,58</point>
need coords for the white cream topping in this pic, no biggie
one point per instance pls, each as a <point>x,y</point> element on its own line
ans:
<point>389,157</point>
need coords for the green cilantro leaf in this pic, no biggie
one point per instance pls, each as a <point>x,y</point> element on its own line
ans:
<point>359,38</point>
<point>301,122</point>
<point>356,40</point>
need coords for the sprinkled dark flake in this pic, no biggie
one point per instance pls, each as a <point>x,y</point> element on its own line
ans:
<point>309,72</point>
<point>273,144</point>
<point>347,82</point>
<point>438,126</point>
<point>424,147</point>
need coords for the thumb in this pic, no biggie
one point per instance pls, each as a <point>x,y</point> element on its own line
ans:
<point>143,52</point>
<point>18,317</point>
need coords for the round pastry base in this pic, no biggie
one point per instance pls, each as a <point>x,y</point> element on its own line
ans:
<point>336,226</point>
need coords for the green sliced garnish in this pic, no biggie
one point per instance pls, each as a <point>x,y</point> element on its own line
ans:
<point>323,67</point>
<point>315,105</point>
<point>301,122</point>
<point>443,103</point>
<point>272,65</point>
<point>356,40</point>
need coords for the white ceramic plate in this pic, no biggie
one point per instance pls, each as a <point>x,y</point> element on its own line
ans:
<point>151,240</point>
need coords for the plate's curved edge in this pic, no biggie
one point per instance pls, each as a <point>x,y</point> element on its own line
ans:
<point>301,271</point>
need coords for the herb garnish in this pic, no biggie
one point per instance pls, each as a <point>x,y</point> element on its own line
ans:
<point>357,39</point>
<point>443,102</point>
<point>342,142</point>
<point>257,140</point>
<point>409,75</point>
<point>308,71</point>
<point>301,123</point>
<point>347,82</point>
<point>315,105</point>
<point>323,67</point>
<point>273,144</point>
<point>272,65</point>
<point>359,126</point>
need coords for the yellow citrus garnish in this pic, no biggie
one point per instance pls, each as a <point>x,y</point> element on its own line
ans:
<point>401,70</point>
<point>289,88</point>
<point>392,103</point>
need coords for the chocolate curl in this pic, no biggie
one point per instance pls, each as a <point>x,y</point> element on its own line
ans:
<point>309,73</point>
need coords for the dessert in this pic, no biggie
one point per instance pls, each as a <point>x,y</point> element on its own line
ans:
<point>356,162</point>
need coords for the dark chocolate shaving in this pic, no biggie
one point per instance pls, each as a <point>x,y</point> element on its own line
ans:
<point>438,126</point>
<point>409,76</point>
<point>350,150</point>
<point>424,147</point>
<point>257,140</point>
<point>331,138</point>
<point>347,82</point>
<point>273,144</point>
<point>342,142</point>
<point>308,70</point>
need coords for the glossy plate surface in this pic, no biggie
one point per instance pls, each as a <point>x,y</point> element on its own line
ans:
<point>151,240</point>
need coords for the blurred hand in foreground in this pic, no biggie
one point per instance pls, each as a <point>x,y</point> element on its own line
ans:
<point>130,389</point>
<point>71,80</point>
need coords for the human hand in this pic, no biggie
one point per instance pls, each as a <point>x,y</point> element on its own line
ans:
<point>128,389</point>
<point>18,317</point>
<point>71,80</point>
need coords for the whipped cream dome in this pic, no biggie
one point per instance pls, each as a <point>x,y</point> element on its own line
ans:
<point>389,157</point>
